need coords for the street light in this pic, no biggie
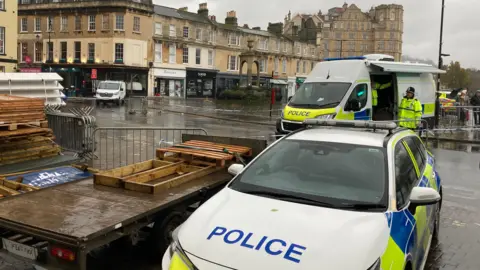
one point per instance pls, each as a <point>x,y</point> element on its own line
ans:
<point>440,66</point>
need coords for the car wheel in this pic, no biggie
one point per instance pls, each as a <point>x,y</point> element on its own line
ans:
<point>436,226</point>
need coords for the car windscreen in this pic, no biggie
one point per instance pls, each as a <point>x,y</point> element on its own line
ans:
<point>319,94</point>
<point>332,173</point>
<point>108,86</point>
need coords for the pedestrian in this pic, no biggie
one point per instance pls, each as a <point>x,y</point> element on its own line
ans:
<point>475,102</point>
<point>410,110</point>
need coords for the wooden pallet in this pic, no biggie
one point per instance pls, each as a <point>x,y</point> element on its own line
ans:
<point>12,188</point>
<point>153,176</point>
<point>15,126</point>
<point>24,133</point>
<point>217,154</point>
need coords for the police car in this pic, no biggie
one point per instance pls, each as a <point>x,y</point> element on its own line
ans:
<point>339,195</point>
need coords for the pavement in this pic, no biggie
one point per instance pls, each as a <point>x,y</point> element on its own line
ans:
<point>457,164</point>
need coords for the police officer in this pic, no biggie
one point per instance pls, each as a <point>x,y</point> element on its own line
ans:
<point>375,88</point>
<point>410,110</point>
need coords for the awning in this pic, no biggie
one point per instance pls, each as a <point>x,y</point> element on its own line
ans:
<point>407,68</point>
<point>282,82</point>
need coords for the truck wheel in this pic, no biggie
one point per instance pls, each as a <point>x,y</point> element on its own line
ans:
<point>162,230</point>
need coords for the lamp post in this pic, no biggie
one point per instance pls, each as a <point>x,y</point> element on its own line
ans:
<point>440,66</point>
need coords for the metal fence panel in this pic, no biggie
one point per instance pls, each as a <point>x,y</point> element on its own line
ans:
<point>116,147</point>
<point>73,132</point>
<point>455,117</point>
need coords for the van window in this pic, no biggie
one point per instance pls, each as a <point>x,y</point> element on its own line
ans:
<point>109,86</point>
<point>319,95</point>
<point>360,93</point>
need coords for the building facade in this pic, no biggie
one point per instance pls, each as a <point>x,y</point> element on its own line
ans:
<point>197,56</point>
<point>8,36</point>
<point>348,31</point>
<point>87,41</point>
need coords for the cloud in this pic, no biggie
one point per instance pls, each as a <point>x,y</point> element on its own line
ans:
<point>421,21</point>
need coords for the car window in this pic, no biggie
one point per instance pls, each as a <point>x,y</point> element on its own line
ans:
<point>360,93</point>
<point>323,171</point>
<point>405,174</point>
<point>318,95</point>
<point>418,152</point>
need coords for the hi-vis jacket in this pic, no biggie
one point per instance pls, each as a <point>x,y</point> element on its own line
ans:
<point>410,112</point>
<point>375,88</point>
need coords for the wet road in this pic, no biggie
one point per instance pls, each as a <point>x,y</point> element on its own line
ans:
<point>459,240</point>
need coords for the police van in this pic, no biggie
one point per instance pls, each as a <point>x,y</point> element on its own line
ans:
<point>339,195</point>
<point>341,88</point>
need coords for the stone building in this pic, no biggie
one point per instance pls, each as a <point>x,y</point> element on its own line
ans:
<point>86,41</point>
<point>214,56</point>
<point>8,36</point>
<point>348,31</point>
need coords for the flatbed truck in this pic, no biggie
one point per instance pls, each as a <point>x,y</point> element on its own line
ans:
<point>65,226</point>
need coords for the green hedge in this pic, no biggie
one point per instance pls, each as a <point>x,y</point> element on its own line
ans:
<point>244,94</point>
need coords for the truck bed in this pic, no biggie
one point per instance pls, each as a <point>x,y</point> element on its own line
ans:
<point>80,211</point>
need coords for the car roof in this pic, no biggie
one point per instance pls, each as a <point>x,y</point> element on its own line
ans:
<point>366,137</point>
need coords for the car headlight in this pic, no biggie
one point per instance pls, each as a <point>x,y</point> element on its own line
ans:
<point>326,116</point>
<point>178,259</point>
<point>376,265</point>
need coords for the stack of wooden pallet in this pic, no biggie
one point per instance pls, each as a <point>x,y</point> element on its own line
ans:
<point>24,133</point>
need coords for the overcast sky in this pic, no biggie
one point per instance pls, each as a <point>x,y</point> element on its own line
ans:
<point>421,20</point>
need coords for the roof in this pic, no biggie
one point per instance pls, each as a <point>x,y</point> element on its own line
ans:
<point>194,17</point>
<point>166,11</point>
<point>342,135</point>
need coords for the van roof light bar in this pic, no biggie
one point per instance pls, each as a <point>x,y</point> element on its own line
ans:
<point>351,124</point>
<point>345,58</point>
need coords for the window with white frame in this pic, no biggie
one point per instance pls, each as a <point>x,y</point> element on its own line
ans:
<point>172,54</point>
<point>136,24</point>
<point>298,66</point>
<point>78,51</point>
<point>210,57</point>
<point>2,4</point>
<point>381,45</point>
<point>262,65</point>
<point>91,52</point>
<point>185,55</point>
<point>119,22</point>
<point>285,46</point>
<point>63,51</point>
<point>64,23</point>
<point>277,45</point>
<point>92,23</point>
<point>158,29</point>
<point>198,34</point>
<point>119,52</point>
<point>78,23</point>
<point>232,63</point>
<point>212,36</point>
<point>173,31</point>
<point>262,44</point>
<point>158,52</point>
<point>304,69</point>
<point>313,51</point>
<point>276,63</point>
<point>50,23</point>
<point>38,52</point>
<point>185,31</point>
<point>106,22</point>
<point>23,51</point>
<point>298,49</point>
<point>284,66</point>
<point>198,56</point>
<point>38,25</point>
<point>24,25</point>
<point>234,39</point>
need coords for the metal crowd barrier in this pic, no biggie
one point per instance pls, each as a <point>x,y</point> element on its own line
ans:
<point>121,146</point>
<point>459,117</point>
<point>80,103</point>
<point>136,105</point>
<point>73,131</point>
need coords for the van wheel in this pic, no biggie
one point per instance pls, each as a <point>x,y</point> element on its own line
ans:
<point>164,225</point>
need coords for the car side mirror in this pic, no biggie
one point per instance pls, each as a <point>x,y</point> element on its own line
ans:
<point>352,105</point>
<point>423,196</point>
<point>235,169</point>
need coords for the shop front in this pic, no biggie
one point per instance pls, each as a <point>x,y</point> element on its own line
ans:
<point>169,82</point>
<point>281,89</point>
<point>201,82</point>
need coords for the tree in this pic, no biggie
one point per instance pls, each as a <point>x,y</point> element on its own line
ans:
<point>456,76</point>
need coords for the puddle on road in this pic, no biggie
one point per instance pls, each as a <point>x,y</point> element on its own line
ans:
<point>464,147</point>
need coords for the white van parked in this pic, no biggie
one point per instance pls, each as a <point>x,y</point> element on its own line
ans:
<point>111,91</point>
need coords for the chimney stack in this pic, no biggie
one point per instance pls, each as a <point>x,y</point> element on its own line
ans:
<point>203,10</point>
<point>256,28</point>
<point>212,18</point>
<point>231,18</point>
<point>275,28</point>
<point>183,9</point>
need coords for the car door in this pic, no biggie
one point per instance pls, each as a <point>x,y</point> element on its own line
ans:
<point>407,223</point>
<point>426,214</point>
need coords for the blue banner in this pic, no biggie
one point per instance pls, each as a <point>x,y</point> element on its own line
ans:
<point>52,177</point>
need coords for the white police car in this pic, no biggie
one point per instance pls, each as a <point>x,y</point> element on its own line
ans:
<point>338,198</point>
